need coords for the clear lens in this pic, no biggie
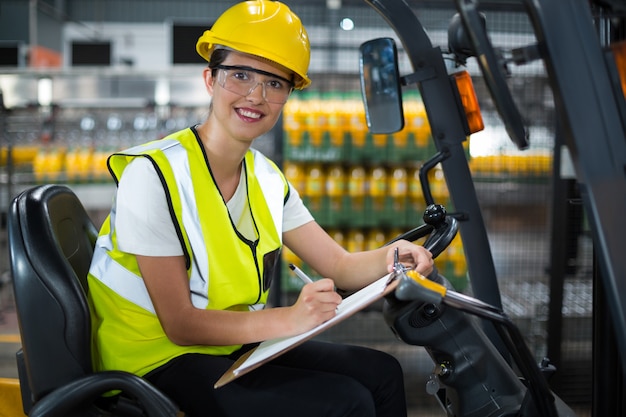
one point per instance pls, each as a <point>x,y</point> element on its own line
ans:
<point>243,81</point>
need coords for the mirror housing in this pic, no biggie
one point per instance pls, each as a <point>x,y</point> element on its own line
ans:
<point>380,86</point>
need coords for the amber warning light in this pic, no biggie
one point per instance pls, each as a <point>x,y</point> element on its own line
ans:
<point>469,101</point>
<point>619,54</point>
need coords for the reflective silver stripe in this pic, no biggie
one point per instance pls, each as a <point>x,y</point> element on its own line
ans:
<point>198,281</point>
<point>106,241</point>
<point>273,189</point>
<point>162,144</point>
<point>120,280</point>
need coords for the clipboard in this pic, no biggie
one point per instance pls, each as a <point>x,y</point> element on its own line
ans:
<point>270,349</point>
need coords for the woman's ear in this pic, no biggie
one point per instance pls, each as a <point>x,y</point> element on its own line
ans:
<point>209,80</point>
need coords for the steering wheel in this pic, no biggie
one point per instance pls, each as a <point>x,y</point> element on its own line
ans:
<point>493,72</point>
<point>440,229</point>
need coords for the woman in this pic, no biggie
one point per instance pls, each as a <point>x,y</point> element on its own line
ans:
<point>183,264</point>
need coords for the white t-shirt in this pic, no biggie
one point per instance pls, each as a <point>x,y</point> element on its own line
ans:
<point>143,222</point>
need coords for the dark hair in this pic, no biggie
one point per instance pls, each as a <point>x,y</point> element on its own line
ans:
<point>217,58</point>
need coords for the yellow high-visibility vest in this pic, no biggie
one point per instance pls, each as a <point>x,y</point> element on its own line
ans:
<point>226,271</point>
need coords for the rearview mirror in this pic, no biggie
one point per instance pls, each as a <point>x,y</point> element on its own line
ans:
<point>380,86</point>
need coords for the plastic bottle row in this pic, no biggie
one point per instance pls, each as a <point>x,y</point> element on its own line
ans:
<point>74,164</point>
<point>532,165</point>
<point>450,263</point>
<point>73,143</point>
<point>358,196</point>
<point>333,128</point>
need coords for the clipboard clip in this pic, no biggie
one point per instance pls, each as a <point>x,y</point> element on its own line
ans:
<point>399,270</point>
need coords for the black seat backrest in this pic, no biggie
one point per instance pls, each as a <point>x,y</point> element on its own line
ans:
<point>51,241</point>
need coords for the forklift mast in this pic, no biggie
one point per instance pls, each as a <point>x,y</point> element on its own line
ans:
<point>448,134</point>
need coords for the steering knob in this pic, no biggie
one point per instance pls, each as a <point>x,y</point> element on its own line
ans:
<point>435,215</point>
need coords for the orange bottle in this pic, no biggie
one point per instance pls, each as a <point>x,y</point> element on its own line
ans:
<point>314,185</point>
<point>377,182</point>
<point>294,172</point>
<point>356,192</point>
<point>335,193</point>
<point>375,239</point>
<point>355,241</point>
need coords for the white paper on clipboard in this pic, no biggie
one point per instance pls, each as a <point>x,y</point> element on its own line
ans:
<point>275,347</point>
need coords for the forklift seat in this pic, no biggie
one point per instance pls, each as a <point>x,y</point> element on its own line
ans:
<point>51,241</point>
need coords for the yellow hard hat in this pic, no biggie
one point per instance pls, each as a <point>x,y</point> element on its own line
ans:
<point>268,29</point>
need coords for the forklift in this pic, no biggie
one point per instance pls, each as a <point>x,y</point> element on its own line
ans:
<point>477,362</point>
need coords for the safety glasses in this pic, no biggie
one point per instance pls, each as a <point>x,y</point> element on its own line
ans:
<point>243,80</point>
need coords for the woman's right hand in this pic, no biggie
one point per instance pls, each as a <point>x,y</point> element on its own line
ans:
<point>316,304</point>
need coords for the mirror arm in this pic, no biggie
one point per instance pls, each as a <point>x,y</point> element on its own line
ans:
<point>423,74</point>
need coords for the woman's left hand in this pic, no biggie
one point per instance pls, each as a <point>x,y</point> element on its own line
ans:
<point>411,256</point>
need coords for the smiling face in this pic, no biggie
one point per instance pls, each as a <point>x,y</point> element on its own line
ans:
<point>243,117</point>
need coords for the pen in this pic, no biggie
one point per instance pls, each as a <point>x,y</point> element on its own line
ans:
<point>304,277</point>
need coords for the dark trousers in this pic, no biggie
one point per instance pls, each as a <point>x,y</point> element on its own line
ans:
<point>314,379</point>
